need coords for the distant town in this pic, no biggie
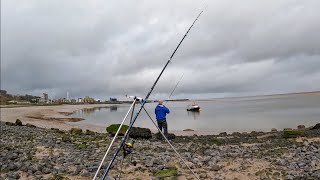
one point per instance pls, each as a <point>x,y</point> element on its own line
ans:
<point>7,99</point>
<point>43,99</point>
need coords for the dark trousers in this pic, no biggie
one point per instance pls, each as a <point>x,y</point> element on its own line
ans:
<point>163,124</point>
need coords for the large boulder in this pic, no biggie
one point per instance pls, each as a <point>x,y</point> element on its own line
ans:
<point>88,132</point>
<point>76,131</point>
<point>170,136</point>
<point>135,132</point>
<point>317,126</point>
<point>18,122</point>
<point>112,129</point>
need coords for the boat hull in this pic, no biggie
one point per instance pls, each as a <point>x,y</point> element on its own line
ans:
<point>194,109</point>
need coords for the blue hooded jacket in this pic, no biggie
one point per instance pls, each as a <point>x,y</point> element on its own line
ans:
<point>161,111</point>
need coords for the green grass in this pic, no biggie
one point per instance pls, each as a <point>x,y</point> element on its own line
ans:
<point>292,133</point>
<point>112,129</point>
<point>216,141</point>
<point>82,146</point>
<point>168,172</point>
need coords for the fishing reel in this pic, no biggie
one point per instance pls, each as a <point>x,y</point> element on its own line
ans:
<point>135,97</point>
<point>128,149</point>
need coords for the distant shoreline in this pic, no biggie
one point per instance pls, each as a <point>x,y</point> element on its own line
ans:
<point>255,96</point>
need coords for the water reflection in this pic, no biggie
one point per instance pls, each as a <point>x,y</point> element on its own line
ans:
<point>194,114</point>
<point>113,108</point>
<point>88,111</point>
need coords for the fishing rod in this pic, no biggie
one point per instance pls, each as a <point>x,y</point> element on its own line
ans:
<point>145,100</point>
<point>174,88</point>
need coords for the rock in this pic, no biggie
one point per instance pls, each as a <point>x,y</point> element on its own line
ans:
<point>66,138</point>
<point>236,134</point>
<point>88,132</point>
<point>223,134</point>
<point>76,131</point>
<point>190,164</point>
<point>317,126</point>
<point>18,122</point>
<point>46,170</point>
<point>170,136</point>
<point>12,167</point>
<point>13,175</point>
<point>137,132</point>
<point>160,167</point>
<point>301,164</point>
<point>10,124</point>
<point>301,127</point>
<point>150,163</point>
<point>31,125</point>
<point>274,130</point>
<point>188,130</point>
<point>57,130</point>
<point>12,156</point>
<point>216,167</point>
<point>203,175</point>
<point>113,128</point>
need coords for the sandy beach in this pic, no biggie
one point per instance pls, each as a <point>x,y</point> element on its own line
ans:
<point>50,116</point>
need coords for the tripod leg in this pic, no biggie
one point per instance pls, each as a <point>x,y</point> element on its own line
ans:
<point>115,136</point>
<point>170,144</point>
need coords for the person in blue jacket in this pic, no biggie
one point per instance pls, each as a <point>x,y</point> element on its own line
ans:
<point>161,111</point>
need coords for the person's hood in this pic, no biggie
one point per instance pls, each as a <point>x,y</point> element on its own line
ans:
<point>160,106</point>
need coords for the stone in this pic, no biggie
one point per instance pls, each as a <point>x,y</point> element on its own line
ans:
<point>301,164</point>
<point>66,138</point>
<point>10,124</point>
<point>14,175</point>
<point>76,131</point>
<point>223,134</point>
<point>274,130</point>
<point>18,122</point>
<point>150,163</point>
<point>12,156</point>
<point>301,127</point>
<point>203,175</point>
<point>12,167</point>
<point>137,132</point>
<point>88,132</point>
<point>160,167</point>
<point>46,170</point>
<point>31,125</point>
<point>215,167</point>
<point>317,126</point>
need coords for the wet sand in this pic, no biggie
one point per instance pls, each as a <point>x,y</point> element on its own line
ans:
<point>50,116</point>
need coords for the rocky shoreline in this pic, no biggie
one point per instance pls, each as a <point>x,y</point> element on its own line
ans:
<point>29,152</point>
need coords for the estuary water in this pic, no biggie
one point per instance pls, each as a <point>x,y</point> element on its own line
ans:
<point>221,115</point>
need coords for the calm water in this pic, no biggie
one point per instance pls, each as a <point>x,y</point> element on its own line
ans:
<point>233,114</point>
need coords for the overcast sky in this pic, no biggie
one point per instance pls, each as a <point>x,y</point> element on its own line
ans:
<point>117,47</point>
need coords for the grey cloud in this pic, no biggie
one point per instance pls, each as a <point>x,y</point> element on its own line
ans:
<point>114,48</point>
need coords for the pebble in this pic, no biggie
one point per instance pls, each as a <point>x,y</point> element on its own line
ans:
<point>154,155</point>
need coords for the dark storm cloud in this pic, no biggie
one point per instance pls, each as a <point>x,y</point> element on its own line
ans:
<point>114,48</point>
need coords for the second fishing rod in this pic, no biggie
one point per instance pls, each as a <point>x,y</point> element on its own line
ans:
<point>144,101</point>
